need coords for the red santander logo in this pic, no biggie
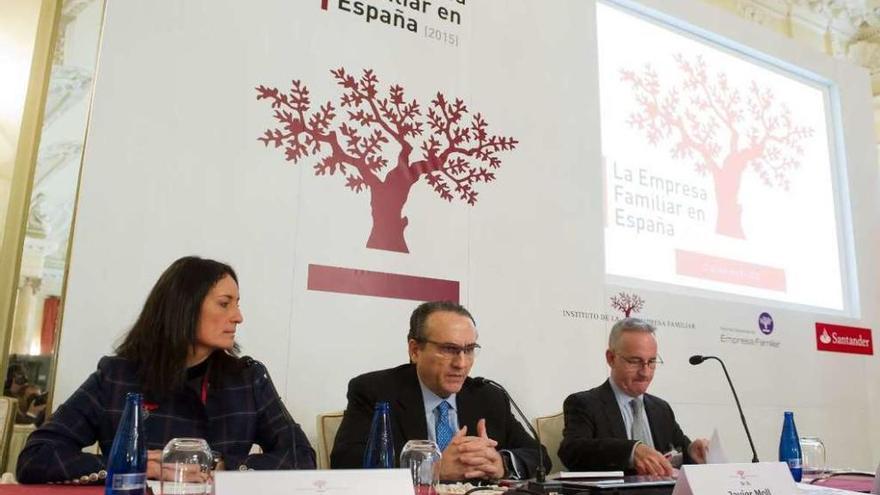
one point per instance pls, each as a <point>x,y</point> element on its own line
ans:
<point>840,338</point>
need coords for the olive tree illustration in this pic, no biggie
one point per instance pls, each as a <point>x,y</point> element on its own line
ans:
<point>627,303</point>
<point>723,131</point>
<point>384,145</point>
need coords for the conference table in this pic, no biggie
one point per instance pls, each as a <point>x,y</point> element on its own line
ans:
<point>51,490</point>
<point>12,489</point>
<point>841,482</point>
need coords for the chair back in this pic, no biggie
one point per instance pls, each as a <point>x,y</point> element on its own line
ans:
<point>328,425</point>
<point>20,434</point>
<point>8,409</point>
<point>549,429</point>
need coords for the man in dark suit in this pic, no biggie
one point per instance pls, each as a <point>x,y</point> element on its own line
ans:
<point>617,425</point>
<point>433,398</point>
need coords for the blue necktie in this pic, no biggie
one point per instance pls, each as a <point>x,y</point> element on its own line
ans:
<point>442,430</point>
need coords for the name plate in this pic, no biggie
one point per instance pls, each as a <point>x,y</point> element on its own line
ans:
<point>762,478</point>
<point>335,482</point>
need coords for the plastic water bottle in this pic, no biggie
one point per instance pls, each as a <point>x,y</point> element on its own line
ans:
<point>380,448</point>
<point>127,463</point>
<point>790,447</point>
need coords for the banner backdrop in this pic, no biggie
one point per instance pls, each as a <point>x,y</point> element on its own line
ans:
<point>353,158</point>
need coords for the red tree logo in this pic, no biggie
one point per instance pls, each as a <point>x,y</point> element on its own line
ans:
<point>455,152</point>
<point>720,129</point>
<point>627,303</point>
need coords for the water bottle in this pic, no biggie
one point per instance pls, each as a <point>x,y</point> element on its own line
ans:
<point>380,448</point>
<point>790,447</point>
<point>127,463</point>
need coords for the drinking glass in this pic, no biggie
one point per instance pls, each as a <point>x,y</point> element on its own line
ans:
<point>422,457</point>
<point>813,452</point>
<point>186,467</point>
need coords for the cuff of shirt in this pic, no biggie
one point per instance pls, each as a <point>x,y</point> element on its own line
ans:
<point>513,468</point>
<point>632,454</point>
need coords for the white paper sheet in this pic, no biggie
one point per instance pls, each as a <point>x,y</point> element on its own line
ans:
<point>716,454</point>
<point>337,481</point>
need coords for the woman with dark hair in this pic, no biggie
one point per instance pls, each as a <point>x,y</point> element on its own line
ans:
<point>181,354</point>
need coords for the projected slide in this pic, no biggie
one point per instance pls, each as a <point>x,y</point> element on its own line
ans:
<point>718,169</point>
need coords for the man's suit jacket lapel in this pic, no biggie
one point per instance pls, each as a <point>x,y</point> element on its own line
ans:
<point>467,408</point>
<point>612,412</point>
<point>658,430</point>
<point>411,406</point>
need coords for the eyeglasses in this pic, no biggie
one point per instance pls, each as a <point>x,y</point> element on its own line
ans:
<point>452,351</point>
<point>634,363</point>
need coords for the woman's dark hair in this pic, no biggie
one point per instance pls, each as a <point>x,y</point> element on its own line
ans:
<point>165,332</point>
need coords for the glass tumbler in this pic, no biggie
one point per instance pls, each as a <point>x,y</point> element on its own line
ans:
<point>186,467</point>
<point>422,457</point>
<point>813,452</point>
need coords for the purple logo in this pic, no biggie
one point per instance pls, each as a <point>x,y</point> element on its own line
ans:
<point>765,323</point>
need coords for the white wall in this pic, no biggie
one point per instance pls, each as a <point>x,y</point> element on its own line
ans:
<point>173,167</point>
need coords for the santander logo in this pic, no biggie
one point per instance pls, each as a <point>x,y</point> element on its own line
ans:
<point>840,338</point>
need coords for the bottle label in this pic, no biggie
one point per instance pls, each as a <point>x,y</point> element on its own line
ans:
<point>129,481</point>
<point>794,463</point>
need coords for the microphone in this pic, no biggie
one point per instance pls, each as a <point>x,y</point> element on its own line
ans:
<point>697,359</point>
<point>540,473</point>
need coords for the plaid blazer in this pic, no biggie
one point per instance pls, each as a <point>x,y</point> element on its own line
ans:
<point>243,409</point>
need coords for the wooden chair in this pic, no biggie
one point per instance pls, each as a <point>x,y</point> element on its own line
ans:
<point>549,429</point>
<point>20,434</point>
<point>328,425</point>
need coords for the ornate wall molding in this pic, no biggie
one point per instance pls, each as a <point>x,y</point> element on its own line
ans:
<point>848,29</point>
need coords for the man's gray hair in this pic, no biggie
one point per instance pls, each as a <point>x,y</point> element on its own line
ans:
<point>628,325</point>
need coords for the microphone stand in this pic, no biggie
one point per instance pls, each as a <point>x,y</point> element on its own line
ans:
<point>742,416</point>
<point>540,482</point>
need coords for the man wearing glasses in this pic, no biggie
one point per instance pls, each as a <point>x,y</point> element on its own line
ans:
<point>617,425</point>
<point>433,398</point>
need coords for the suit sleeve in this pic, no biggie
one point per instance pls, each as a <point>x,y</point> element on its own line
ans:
<point>351,438</point>
<point>522,446</point>
<point>54,452</point>
<point>680,440</point>
<point>284,444</point>
<point>587,443</point>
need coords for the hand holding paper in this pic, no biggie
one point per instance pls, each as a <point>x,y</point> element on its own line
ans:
<point>715,452</point>
<point>698,450</point>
